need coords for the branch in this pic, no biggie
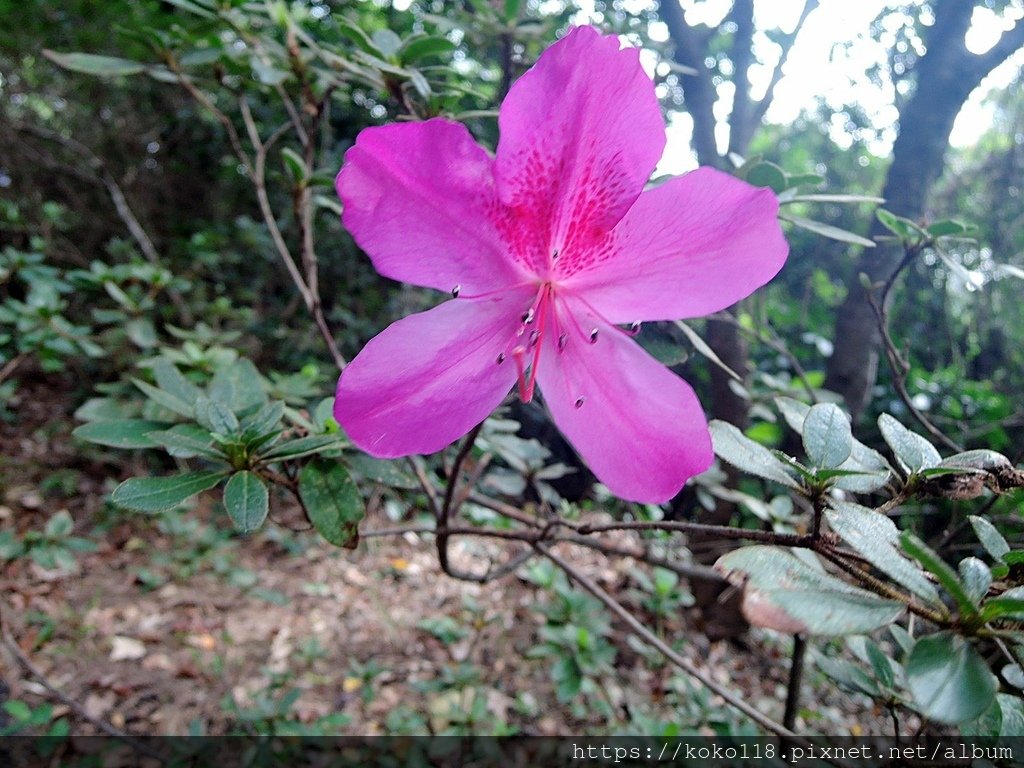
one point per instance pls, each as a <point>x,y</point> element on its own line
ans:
<point>899,366</point>
<point>101,175</point>
<point>741,127</point>
<point>722,531</point>
<point>653,640</point>
<point>699,89</point>
<point>787,45</point>
<point>12,646</point>
<point>1008,44</point>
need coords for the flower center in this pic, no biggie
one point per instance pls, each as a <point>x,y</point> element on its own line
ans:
<point>525,344</point>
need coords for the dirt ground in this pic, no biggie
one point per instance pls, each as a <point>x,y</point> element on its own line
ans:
<point>176,626</point>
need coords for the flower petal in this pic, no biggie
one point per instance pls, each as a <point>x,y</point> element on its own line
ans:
<point>581,133</point>
<point>419,199</point>
<point>637,425</point>
<point>429,378</point>
<point>692,246</point>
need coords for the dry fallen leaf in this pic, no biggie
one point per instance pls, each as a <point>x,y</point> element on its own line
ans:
<point>126,648</point>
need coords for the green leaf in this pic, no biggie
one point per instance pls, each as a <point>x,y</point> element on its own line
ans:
<point>158,494</point>
<point>380,471</point>
<point>734,447</point>
<point>976,578</point>
<point>875,537</point>
<point>185,441</point>
<point>827,230</point>
<point>903,228</point>
<point>705,349</point>
<point>767,174</point>
<point>880,664</point>
<point>60,525</point>
<point>784,592</point>
<point>387,42</point>
<point>948,227</point>
<point>991,539</point>
<point>423,47</point>
<point>814,198</point>
<point>793,411</point>
<point>827,437</point>
<point>354,33</point>
<point>303,446</point>
<point>246,500</point>
<point>166,399</point>
<point>949,681</point>
<point>198,7</point>
<point>332,501</point>
<point>142,332</point>
<point>1009,605</point>
<point>294,164</point>
<point>124,433</point>
<point>936,565</point>
<point>847,675</point>
<point>91,64</point>
<point>216,416</point>
<point>239,386</point>
<point>265,419</point>
<point>911,450</point>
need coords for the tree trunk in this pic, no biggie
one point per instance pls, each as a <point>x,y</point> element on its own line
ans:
<point>944,78</point>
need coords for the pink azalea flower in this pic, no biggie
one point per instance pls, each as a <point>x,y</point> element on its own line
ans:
<point>546,247</point>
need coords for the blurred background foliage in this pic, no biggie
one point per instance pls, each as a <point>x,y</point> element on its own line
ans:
<point>133,229</point>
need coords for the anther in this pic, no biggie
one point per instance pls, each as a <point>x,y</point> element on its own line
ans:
<point>501,358</point>
<point>593,336</point>
<point>634,328</point>
<point>562,339</point>
<point>580,401</point>
<point>534,336</point>
<point>528,316</point>
<point>456,291</point>
<point>554,255</point>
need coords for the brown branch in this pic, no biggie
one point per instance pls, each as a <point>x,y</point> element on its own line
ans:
<point>722,531</point>
<point>29,666</point>
<point>653,640</point>
<point>897,363</point>
<point>787,45</point>
<point>102,175</point>
<point>796,673</point>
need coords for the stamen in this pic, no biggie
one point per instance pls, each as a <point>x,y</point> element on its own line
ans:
<point>501,358</point>
<point>580,401</point>
<point>456,291</point>
<point>528,316</point>
<point>525,384</point>
<point>534,336</point>
<point>593,336</point>
<point>634,328</point>
<point>562,339</point>
<point>554,255</point>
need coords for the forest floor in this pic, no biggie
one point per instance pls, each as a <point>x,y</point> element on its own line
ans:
<point>175,625</point>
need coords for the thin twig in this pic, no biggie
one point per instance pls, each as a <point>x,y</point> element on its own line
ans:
<point>653,640</point>
<point>111,730</point>
<point>722,531</point>
<point>899,366</point>
<point>796,674</point>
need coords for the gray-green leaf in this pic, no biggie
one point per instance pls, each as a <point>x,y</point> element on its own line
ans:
<point>913,451</point>
<point>827,437</point>
<point>876,538</point>
<point>158,494</point>
<point>332,501</point>
<point>123,433</point>
<point>782,592</point>
<point>733,446</point>
<point>246,500</point>
<point>949,681</point>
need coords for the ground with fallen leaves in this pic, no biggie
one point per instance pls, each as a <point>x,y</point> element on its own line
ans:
<point>175,625</point>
